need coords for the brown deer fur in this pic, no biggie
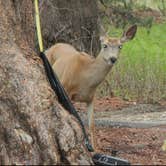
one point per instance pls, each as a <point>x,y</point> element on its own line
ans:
<point>80,74</point>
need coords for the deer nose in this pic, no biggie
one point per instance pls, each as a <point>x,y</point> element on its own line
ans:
<point>113,59</point>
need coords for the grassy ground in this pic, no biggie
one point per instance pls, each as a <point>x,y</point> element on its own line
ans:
<point>153,4</point>
<point>141,70</point>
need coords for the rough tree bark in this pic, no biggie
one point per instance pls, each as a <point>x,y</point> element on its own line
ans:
<point>34,128</point>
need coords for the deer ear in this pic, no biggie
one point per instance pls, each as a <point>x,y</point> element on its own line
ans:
<point>129,34</point>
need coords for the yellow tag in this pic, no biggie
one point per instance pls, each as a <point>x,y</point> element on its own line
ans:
<point>38,26</point>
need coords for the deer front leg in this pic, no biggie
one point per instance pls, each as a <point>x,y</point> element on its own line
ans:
<point>91,124</point>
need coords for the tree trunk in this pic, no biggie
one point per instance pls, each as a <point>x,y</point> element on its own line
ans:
<point>71,21</point>
<point>34,128</point>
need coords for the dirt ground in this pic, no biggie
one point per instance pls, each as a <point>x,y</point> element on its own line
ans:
<point>127,139</point>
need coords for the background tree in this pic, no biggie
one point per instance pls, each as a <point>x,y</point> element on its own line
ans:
<point>121,13</point>
<point>71,21</point>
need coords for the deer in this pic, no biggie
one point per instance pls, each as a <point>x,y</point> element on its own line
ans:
<point>80,74</point>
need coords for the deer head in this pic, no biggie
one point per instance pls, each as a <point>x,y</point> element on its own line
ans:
<point>110,47</point>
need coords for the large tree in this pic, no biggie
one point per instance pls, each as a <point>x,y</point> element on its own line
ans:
<point>34,128</point>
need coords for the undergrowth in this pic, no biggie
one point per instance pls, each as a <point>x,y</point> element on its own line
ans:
<point>140,73</point>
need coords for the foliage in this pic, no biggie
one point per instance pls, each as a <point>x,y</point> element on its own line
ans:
<point>141,70</point>
<point>162,7</point>
<point>122,12</point>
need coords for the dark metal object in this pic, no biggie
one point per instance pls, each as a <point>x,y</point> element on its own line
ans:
<point>101,159</point>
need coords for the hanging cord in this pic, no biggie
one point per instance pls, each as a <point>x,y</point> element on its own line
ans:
<point>55,83</point>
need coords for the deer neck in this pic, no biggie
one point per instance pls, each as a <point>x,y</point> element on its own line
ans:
<point>98,71</point>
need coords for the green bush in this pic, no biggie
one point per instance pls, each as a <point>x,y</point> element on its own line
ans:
<point>141,69</point>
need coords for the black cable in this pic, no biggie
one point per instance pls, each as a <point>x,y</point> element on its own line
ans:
<point>63,97</point>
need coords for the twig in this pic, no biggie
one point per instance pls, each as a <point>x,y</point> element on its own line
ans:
<point>60,31</point>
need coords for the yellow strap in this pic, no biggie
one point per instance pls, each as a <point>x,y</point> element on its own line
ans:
<point>39,36</point>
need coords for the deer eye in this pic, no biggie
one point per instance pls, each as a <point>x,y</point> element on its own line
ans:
<point>105,46</point>
<point>120,46</point>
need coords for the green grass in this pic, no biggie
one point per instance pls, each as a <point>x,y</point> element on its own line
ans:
<point>140,73</point>
<point>153,4</point>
